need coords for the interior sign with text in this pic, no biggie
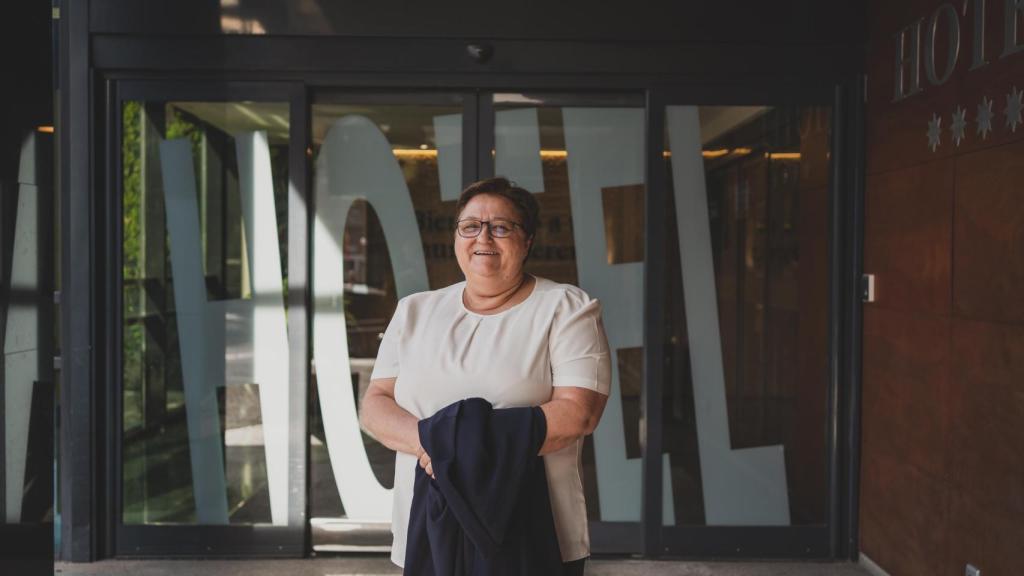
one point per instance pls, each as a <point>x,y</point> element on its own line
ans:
<point>920,41</point>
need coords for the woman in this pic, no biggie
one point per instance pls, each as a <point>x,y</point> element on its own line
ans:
<point>502,335</point>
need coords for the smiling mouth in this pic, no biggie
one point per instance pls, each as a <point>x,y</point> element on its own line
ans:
<point>484,253</point>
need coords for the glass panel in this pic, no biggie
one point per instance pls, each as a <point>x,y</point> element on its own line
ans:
<point>386,180</point>
<point>747,253</point>
<point>26,374</point>
<point>205,351</point>
<point>584,160</point>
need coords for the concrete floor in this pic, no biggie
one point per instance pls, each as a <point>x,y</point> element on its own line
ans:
<point>370,565</point>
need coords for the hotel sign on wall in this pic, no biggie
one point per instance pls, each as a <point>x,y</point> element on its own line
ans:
<point>919,44</point>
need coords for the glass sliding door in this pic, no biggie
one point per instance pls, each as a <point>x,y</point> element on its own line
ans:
<point>721,450</point>
<point>207,429</point>
<point>388,169</point>
<point>745,397</point>
<point>584,159</point>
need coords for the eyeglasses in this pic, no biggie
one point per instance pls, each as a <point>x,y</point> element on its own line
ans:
<point>471,227</point>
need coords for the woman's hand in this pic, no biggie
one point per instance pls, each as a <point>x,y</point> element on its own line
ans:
<point>424,459</point>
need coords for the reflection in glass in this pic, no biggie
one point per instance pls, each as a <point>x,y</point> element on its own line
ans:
<point>380,166</point>
<point>204,398</point>
<point>589,154</point>
<point>26,311</point>
<point>386,180</point>
<point>747,332</point>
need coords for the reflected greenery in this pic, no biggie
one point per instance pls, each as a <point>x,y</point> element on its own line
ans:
<point>156,467</point>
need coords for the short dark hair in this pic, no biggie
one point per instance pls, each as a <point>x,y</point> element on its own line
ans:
<point>521,199</point>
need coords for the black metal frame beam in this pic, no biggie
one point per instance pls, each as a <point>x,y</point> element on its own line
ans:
<point>197,541</point>
<point>789,21</point>
<point>658,62</point>
<point>484,135</point>
<point>108,123</point>
<point>79,307</point>
<point>617,537</point>
<point>857,160</point>
<point>655,304</point>
<point>848,237</point>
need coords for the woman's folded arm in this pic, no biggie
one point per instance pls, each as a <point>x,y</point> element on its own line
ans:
<point>571,414</point>
<point>386,421</point>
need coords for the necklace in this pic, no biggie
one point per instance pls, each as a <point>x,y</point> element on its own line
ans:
<point>503,305</point>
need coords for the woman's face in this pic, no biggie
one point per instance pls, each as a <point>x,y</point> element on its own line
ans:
<point>486,256</point>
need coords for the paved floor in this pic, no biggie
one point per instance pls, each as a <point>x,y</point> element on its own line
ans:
<point>371,565</point>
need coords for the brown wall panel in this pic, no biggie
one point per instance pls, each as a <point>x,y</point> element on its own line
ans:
<point>904,484</point>
<point>985,536</point>
<point>987,431</point>
<point>988,252</point>
<point>903,515</point>
<point>908,237</point>
<point>906,382</point>
<point>943,352</point>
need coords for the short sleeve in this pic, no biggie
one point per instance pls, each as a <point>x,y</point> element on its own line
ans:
<point>387,363</point>
<point>578,345</point>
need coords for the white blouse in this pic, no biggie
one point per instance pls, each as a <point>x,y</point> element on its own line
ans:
<point>441,352</point>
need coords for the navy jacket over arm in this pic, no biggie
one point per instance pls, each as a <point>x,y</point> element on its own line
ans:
<point>488,512</point>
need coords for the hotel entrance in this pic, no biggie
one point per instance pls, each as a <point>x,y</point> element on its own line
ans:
<point>268,229</point>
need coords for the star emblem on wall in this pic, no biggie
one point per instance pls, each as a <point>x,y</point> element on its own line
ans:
<point>985,116</point>
<point>934,132</point>
<point>985,119</point>
<point>959,124</point>
<point>1013,109</point>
